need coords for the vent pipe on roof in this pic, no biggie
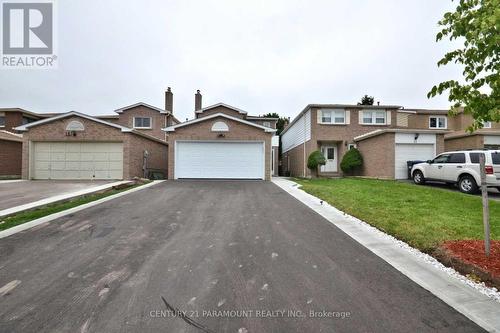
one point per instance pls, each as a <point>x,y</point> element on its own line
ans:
<point>378,102</point>
<point>197,101</point>
<point>169,100</point>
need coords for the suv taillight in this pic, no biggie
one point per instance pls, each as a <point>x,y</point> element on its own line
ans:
<point>488,170</point>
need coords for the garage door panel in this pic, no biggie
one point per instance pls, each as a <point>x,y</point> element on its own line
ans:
<point>411,152</point>
<point>237,160</point>
<point>76,160</point>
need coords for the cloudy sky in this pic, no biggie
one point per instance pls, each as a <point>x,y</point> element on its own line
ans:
<point>258,55</point>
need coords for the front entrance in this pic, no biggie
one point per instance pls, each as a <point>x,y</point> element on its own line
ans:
<point>330,153</point>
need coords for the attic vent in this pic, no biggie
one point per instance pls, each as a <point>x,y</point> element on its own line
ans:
<point>75,126</point>
<point>220,126</point>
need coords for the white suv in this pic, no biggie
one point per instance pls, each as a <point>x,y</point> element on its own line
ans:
<point>460,167</point>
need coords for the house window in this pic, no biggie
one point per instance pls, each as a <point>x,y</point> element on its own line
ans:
<point>487,124</point>
<point>374,117</point>
<point>2,121</point>
<point>333,116</point>
<point>351,146</point>
<point>142,122</point>
<point>27,120</point>
<point>437,122</point>
<point>266,124</point>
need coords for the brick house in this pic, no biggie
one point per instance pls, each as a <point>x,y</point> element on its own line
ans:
<point>73,145</point>
<point>222,141</point>
<point>386,135</point>
<point>10,142</point>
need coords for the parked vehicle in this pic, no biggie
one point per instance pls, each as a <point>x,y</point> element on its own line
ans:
<point>461,168</point>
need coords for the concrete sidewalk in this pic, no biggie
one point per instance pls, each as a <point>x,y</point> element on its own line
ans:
<point>16,197</point>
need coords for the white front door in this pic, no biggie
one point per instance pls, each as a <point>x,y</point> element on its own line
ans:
<point>330,153</point>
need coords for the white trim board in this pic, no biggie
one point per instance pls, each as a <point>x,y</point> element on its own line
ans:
<point>456,292</point>
<point>45,219</point>
<point>61,197</point>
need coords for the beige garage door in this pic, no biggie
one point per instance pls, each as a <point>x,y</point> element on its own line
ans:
<point>77,160</point>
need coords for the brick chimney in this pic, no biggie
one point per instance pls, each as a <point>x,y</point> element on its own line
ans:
<point>169,101</point>
<point>197,101</point>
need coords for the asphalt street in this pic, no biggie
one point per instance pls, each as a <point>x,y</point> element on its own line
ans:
<point>232,256</point>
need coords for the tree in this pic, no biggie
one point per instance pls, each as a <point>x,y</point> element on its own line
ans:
<point>351,161</point>
<point>315,159</point>
<point>477,22</point>
<point>280,125</point>
<point>367,100</point>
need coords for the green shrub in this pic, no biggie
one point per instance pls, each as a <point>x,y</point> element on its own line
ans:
<point>351,161</point>
<point>315,159</point>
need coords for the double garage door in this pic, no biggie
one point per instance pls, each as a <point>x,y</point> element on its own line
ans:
<point>219,160</point>
<point>77,160</point>
<point>411,152</point>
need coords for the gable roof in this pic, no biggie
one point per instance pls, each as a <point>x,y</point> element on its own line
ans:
<point>215,115</point>
<point>120,110</point>
<point>221,104</point>
<point>29,113</point>
<point>26,127</point>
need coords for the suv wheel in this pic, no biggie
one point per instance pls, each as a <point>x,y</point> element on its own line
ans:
<point>418,177</point>
<point>467,184</point>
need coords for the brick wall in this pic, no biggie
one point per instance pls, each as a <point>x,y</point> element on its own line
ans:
<point>10,158</point>
<point>378,156</point>
<point>136,145</point>
<point>221,109</point>
<point>202,131</point>
<point>467,142</point>
<point>158,120</point>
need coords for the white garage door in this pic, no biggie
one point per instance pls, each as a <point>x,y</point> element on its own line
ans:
<point>410,152</point>
<point>77,160</point>
<point>232,160</point>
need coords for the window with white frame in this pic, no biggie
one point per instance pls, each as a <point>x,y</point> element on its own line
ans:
<point>374,117</point>
<point>266,124</point>
<point>438,122</point>
<point>332,116</point>
<point>142,122</point>
<point>486,124</point>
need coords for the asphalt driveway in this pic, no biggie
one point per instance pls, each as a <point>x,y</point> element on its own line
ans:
<point>207,248</point>
<point>14,194</point>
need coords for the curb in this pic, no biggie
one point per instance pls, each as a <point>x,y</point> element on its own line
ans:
<point>48,218</point>
<point>467,300</point>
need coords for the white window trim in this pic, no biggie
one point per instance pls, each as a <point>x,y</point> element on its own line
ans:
<point>150,123</point>
<point>374,118</point>
<point>437,122</point>
<point>266,124</point>
<point>332,117</point>
<point>486,124</point>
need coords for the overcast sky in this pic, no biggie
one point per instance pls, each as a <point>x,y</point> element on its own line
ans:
<point>259,55</point>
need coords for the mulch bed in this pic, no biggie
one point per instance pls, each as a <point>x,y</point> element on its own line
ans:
<point>467,256</point>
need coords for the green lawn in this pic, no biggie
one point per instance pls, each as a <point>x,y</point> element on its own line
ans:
<point>421,216</point>
<point>42,211</point>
